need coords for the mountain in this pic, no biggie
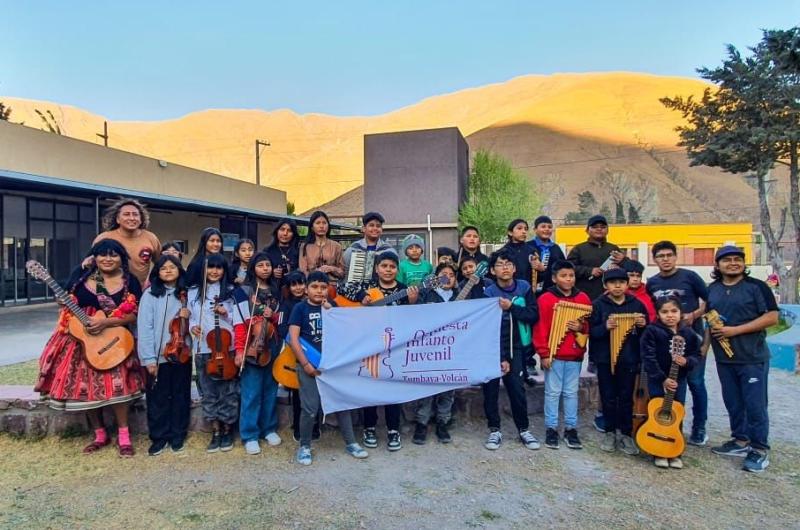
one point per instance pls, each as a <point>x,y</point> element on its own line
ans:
<point>563,131</point>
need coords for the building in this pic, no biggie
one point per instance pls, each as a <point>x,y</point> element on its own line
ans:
<point>418,181</point>
<point>53,190</point>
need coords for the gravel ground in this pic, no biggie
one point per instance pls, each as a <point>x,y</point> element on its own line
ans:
<point>48,484</point>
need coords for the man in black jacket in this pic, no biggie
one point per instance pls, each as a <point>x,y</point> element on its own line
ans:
<point>592,257</point>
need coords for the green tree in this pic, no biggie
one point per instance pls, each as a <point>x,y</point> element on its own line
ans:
<point>496,194</point>
<point>587,206</point>
<point>290,207</point>
<point>634,217</point>
<point>749,124</point>
<point>5,111</point>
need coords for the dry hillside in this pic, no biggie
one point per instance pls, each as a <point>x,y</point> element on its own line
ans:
<point>562,130</point>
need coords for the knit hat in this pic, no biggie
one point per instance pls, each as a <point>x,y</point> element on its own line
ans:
<point>542,219</point>
<point>410,240</point>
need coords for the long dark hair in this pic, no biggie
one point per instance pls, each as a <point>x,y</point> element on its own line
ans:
<point>110,215</point>
<point>512,225</point>
<point>295,242</point>
<point>104,247</point>
<point>312,237</point>
<point>716,274</point>
<point>217,261</point>
<point>251,278</point>
<point>157,287</point>
<point>195,268</point>
<point>236,261</point>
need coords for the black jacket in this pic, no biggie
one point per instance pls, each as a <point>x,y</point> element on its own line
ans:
<point>520,255</point>
<point>556,254</point>
<point>585,256</point>
<point>600,336</point>
<point>655,347</point>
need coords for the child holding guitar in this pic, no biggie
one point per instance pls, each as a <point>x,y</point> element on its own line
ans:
<point>165,351</point>
<point>386,265</point>
<point>306,323</point>
<point>210,307</point>
<point>257,344</point>
<point>658,358</point>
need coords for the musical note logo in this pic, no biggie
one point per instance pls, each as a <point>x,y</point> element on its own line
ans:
<point>373,363</point>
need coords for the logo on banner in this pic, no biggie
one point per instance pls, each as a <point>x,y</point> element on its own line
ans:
<point>373,363</point>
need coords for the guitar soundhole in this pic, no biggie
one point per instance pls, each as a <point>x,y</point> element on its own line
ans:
<point>665,417</point>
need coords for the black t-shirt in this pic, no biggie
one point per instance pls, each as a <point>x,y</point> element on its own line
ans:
<point>685,284</point>
<point>391,290</point>
<point>737,304</point>
<point>309,318</point>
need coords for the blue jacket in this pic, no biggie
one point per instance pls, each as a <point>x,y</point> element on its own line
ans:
<point>524,312</point>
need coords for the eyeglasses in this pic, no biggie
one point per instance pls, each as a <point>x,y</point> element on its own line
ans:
<point>664,256</point>
<point>506,265</point>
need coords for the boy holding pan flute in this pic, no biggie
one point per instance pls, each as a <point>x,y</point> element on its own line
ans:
<point>617,364</point>
<point>562,370</point>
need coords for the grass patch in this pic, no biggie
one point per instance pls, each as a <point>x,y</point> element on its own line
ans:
<point>20,373</point>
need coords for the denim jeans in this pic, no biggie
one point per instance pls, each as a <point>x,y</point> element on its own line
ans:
<point>562,379</point>
<point>310,407</point>
<point>697,386</point>
<point>444,407</point>
<point>744,391</point>
<point>258,415</point>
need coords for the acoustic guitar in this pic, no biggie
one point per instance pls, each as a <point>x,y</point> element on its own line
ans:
<point>661,434</point>
<point>480,272</point>
<point>285,368</point>
<point>343,299</point>
<point>103,350</point>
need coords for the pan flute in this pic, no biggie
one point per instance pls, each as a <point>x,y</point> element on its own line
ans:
<point>714,321</point>
<point>625,324</point>
<point>564,312</point>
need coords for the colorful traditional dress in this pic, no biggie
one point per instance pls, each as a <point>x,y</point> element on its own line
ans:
<point>65,376</point>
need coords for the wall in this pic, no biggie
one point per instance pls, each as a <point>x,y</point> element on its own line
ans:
<point>27,150</point>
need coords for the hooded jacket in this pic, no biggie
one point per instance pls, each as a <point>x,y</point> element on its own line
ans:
<point>600,336</point>
<point>569,349</point>
<point>655,347</point>
<point>553,253</point>
<point>520,254</point>
<point>524,312</point>
<point>643,296</point>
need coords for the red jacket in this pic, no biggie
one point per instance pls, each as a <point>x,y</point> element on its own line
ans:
<point>569,350</point>
<point>642,295</point>
<point>240,332</point>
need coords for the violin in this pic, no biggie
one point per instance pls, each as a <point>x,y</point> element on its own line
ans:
<point>177,349</point>
<point>261,334</point>
<point>220,363</point>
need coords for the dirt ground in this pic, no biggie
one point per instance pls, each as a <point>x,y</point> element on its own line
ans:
<point>48,484</point>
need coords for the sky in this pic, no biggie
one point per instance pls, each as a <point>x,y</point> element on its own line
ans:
<point>148,60</point>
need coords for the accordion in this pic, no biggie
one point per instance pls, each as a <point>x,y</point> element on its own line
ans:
<point>362,265</point>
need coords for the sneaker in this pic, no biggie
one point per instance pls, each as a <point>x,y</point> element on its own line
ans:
<point>273,439</point>
<point>529,440</point>
<point>663,463</point>
<point>571,439</point>
<point>213,445</point>
<point>530,380</point>
<point>599,423</point>
<point>157,447</point>
<point>676,463</point>
<point>756,461</point>
<point>609,442</point>
<point>356,451</point>
<point>178,447</point>
<point>304,455</point>
<point>627,445</point>
<point>494,440</point>
<point>732,448</point>
<point>251,447</point>
<point>226,441</point>
<point>442,434</point>
<point>393,441</point>
<point>551,438</point>
<point>698,437</point>
<point>420,434</point>
<point>370,438</point>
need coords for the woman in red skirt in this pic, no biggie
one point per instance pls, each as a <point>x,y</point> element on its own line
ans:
<point>65,376</point>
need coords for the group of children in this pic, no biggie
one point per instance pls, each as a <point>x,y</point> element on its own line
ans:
<point>257,290</point>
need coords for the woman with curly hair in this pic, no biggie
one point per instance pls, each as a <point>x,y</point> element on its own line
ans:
<point>126,221</point>
<point>109,293</point>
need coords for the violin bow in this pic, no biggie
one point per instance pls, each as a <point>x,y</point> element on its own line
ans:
<point>203,302</point>
<point>249,327</point>
<point>161,345</point>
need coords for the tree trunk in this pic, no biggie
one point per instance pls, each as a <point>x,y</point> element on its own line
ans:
<point>771,240</point>
<point>789,288</point>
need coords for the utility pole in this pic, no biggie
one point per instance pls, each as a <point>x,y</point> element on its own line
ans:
<point>104,136</point>
<point>259,144</point>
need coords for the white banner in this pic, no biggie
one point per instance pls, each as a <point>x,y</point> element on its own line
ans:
<point>384,355</point>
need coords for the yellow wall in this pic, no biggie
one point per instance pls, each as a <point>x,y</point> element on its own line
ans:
<point>27,150</point>
<point>683,235</point>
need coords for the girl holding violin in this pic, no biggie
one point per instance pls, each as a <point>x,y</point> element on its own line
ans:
<point>319,252</point>
<point>109,293</point>
<point>210,311</point>
<point>255,321</point>
<point>210,244</point>
<point>165,351</point>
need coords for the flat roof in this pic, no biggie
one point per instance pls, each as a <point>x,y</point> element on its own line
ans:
<point>27,181</point>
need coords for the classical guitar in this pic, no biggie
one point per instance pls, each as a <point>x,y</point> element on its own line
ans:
<point>480,272</point>
<point>284,368</point>
<point>661,434</point>
<point>641,396</point>
<point>376,295</point>
<point>103,350</point>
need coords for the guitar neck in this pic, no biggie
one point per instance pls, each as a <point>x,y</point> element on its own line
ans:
<point>669,395</point>
<point>397,295</point>
<point>67,300</point>
<point>472,282</point>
